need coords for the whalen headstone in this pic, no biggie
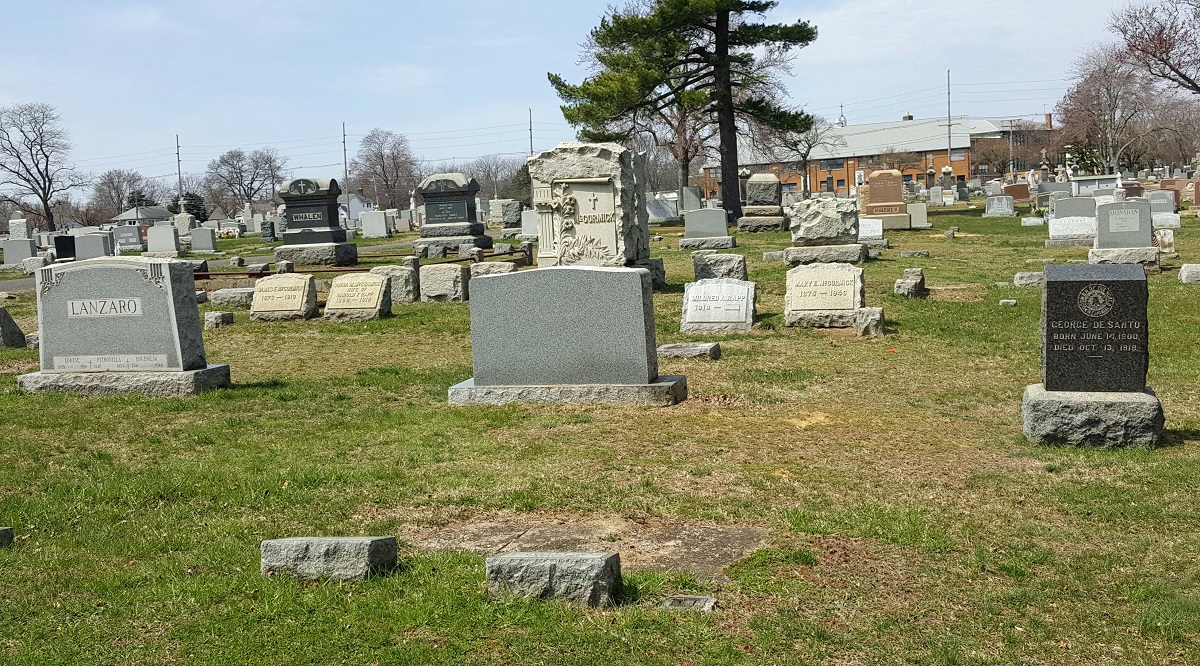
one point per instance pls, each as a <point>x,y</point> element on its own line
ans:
<point>314,235</point>
<point>593,331</point>
<point>1095,354</point>
<point>121,325</point>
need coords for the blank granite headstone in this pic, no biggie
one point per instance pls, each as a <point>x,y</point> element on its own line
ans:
<point>706,229</point>
<point>1075,207</point>
<point>529,222</point>
<point>919,216</point>
<point>358,297</point>
<point>763,210</point>
<point>204,240</point>
<point>720,305</point>
<point>93,246</point>
<point>337,558</point>
<point>121,325</point>
<point>1095,354</point>
<point>284,297</point>
<point>593,331</point>
<point>11,335</point>
<point>374,224</point>
<point>581,579</point>
<point>935,196</point>
<point>16,251</point>
<point>162,238</point>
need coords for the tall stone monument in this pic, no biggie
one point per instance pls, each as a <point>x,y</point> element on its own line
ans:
<point>824,231</point>
<point>121,325</point>
<point>1095,354</point>
<point>451,219</point>
<point>764,204</point>
<point>886,199</point>
<point>591,204</point>
<point>314,236</point>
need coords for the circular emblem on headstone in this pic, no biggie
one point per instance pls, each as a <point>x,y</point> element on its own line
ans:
<point>302,186</point>
<point>1096,300</point>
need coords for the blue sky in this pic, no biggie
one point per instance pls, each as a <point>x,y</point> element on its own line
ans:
<point>458,77</point>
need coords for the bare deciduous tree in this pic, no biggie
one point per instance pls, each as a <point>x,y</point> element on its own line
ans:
<point>1163,39</point>
<point>796,149</point>
<point>34,158</point>
<point>247,177</point>
<point>385,169</point>
<point>495,171</point>
<point>111,190</point>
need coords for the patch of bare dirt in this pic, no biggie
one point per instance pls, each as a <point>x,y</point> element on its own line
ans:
<point>960,292</point>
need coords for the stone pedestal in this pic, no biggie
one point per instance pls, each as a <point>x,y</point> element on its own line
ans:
<point>1091,418</point>
<point>319,254</point>
<point>153,384</point>
<point>667,390</point>
<point>896,221</point>
<point>775,221</point>
<point>714,243</point>
<point>1146,256</point>
<point>864,321</point>
<point>826,254</point>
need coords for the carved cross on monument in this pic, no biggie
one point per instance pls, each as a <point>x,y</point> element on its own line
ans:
<point>594,198</point>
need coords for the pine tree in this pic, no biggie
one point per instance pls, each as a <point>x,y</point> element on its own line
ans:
<point>139,199</point>
<point>687,54</point>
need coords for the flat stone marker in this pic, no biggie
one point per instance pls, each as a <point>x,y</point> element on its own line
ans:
<point>445,282</point>
<point>338,558</point>
<point>121,325</point>
<point>689,602</point>
<point>217,319</point>
<point>708,350</point>
<point>719,305</point>
<point>6,537</point>
<point>593,329</point>
<point>11,335</point>
<point>284,297</point>
<point>232,297</point>
<point>581,579</point>
<point>1189,274</point>
<point>358,297</point>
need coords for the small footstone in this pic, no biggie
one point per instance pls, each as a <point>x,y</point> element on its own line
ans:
<point>689,602</point>
<point>1029,279</point>
<point>339,558</point>
<point>949,233</point>
<point>240,297</point>
<point>774,255</point>
<point>1011,302</point>
<point>914,253</point>
<point>710,350</point>
<point>217,319</point>
<point>6,537</point>
<point>201,296</point>
<point>1189,274</point>
<point>582,579</point>
<point>257,268</point>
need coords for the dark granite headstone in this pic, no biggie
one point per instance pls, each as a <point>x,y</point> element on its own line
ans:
<point>1094,328</point>
<point>64,247</point>
<point>312,211</point>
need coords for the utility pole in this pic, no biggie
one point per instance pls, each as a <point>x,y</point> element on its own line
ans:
<point>178,166</point>
<point>531,132</point>
<point>949,126</point>
<point>345,167</point>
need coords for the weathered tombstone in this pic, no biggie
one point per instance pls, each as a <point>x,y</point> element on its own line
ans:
<point>121,325</point>
<point>336,558</point>
<point>706,229</point>
<point>184,223</point>
<point>283,297</point>
<point>935,196</point>
<point>11,334</point>
<point>163,240</point>
<point>269,229</point>
<point>709,264</point>
<point>602,353</point>
<point>506,213</point>
<point>204,240</point>
<point>870,232</point>
<point>1001,206</point>
<point>763,210</point>
<point>580,579</point>
<point>918,215</point>
<point>592,205</point>
<point>314,235</point>
<point>451,217</point>
<point>374,224</point>
<point>692,199</point>
<point>912,285</point>
<point>1095,354</point>
<point>403,281</point>
<point>824,231</point>
<point>19,228</point>
<point>358,297</point>
<point>445,283</point>
<point>1165,240</point>
<point>529,224</point>
<point>830,296</point>
<point>93,246</point>
<point>16,251</point>
<point>719,305</point>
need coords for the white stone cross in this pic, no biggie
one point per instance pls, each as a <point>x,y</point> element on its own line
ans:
<point>594,199</point>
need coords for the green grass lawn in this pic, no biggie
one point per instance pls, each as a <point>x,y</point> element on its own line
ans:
<point>909,520</point>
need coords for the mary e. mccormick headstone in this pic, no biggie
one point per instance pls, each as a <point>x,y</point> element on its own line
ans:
<point>830,296</point>
<point>1095,354</point>
<point>593,331</point>
<point>284,297</point>
<point>121,325</point>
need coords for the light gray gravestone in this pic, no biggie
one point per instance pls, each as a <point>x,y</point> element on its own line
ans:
<point>284,297</point>
<point>374,224</point>
<point>17,251</point>
<point>529,223</point>
<point>1001,206</point>
<point>707,264</point>
<point>358,297</point>
<point>94,246</point>
<point>19,228</point>
<point>593,329</point>
<point>830,296</point>
<point>162,238</point>
<point>824,222</point>
<point>129,238</point>
<point>1075,207</point>
<point>581,579</point>
<point>1124,224</point>
<point>720,305</point>
<point>919,216</point>
<point>692,199</point>
<point>706,229</point>
<point>403,282</point>
<point>121,325</point>
<point>445,282</point>
<point>935,196</point>
<point>338,558</point>
<point>204,240</point>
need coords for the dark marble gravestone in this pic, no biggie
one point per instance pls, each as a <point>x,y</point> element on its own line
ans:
<point>1094,328</point>
<point>312,211</point>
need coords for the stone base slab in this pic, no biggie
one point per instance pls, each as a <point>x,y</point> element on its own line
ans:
<point>876,243</point>
<point>451,243</point>
<point>581,579</point>
<point>864,321</point>
<point>163,255</point>
<point>709,350</point>
<point>338,558</point>
<point>896,221</point>
<point>716,328</point>
<point>826,254</point>
<point>1091,418</point>
<point>153,384</point>
<point>757,224</point>
<point>448,230</point>
<point>667,391</point>
<point>1123,255</point>
<point>1189,274</point>
<point>319,254</point>
<point>1082,241</point>
<point>232,297</point>
<point>713,243</point>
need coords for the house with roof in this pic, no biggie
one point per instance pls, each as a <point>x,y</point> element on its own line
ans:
<point>143,215</point>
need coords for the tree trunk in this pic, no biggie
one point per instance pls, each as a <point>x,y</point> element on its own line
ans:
<point>684,168</point>
<point>805,185</point>
<point>49,215</point>
<point>723,91</point>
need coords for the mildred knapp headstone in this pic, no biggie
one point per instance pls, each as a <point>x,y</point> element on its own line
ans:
<point>1094,359</point>
<point>121,325</point>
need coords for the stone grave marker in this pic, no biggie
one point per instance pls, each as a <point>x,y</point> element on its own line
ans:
<point>529,223</point>
<point>935,196</point>
<point>451,216</point>
<point>121,325</point>
<point>706,229</point>
<point>1095,354</point>
<point>1001,206</point>
<point>1124,224</point>
<point>593,329</point>
<point>129,238</point>
<point>764,204</point>
<point>358,297</point>
<point>404,281</point>
<point>374,224</point>
<point>16,251</point>
<point>692,199</point>
<point>886,200</point>
<point>918,214</point>
<point>204,240</point>
<point>92,246</point>
<point>719,305</point>
<point>830,296</point>
<point>1018,191</point>
<point>162,239</point>
<point>824,231</point>
<point>870,232</point>
<point>284,297</point>
<point>313,234</point>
